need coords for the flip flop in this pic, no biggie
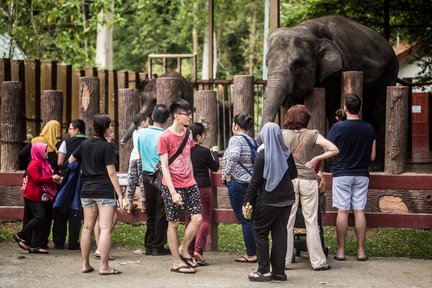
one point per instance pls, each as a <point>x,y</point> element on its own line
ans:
<point>114,272</point>
<point>339,258</point>
<point>199,259</point>
<point>37,250</point>
<point>110,257</point>
<point>243,259</point>
<point>189,262</point>
<point>260,277</point>
<point>365,258</point>
<point>21,242</point>
<point>88,270</point>
<point>178,270</point>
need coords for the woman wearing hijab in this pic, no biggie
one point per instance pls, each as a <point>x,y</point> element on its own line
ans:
<point>39,185</point>
<point>50,135</point>
<point>271,194</point>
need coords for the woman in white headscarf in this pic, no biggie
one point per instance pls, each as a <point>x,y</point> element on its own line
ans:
<point>271,194</point>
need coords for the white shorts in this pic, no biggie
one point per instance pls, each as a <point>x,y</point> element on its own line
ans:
<point>350,192</point>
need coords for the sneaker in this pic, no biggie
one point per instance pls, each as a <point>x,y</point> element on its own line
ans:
<point>322,268</point>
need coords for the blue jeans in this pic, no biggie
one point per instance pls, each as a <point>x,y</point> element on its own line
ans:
<point>236,194</point>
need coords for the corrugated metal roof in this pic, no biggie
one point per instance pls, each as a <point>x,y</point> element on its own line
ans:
<point>5,45</point>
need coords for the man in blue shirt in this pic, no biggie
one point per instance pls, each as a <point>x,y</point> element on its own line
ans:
<point>156,233</point>
<point>355,140</point>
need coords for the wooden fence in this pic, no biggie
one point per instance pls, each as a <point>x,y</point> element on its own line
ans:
<point>38,76</point>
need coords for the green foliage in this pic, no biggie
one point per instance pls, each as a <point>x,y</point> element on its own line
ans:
<point>62,30</point>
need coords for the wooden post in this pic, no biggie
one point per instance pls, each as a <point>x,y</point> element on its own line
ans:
<point>243,96</point>
<point>11,124</point>
<point>315,103</point>
<point>274,15</point>
<point>64,84</point>
<point>352,82</point>
<point>396,130</point>
<point>206,113</point>
<point>32,97</point>
<point>88,101</point>
<point>51,106</point>
<point>167,92</point>
<point>128,107</point>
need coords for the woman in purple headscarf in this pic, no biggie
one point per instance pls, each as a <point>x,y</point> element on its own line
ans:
<point>271,195</point>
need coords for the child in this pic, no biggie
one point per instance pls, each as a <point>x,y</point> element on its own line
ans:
<point>39,186</point>
<point>134,176</point>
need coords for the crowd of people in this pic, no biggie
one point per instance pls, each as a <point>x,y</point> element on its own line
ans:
<point>267,185</point>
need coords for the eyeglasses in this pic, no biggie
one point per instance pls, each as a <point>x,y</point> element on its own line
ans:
<point>185,113</point>
<point>71,128</point>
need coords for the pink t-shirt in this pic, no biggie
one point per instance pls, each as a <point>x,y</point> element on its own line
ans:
<point>181,169</point>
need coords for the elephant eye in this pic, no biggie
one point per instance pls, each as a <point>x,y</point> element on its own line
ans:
<point>297,66</point>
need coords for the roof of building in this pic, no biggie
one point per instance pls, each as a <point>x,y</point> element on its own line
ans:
<point>6,43</point>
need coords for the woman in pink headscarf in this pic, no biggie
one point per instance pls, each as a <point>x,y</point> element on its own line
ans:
<point>39,185</point>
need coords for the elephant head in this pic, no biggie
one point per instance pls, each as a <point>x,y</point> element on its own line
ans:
<point>297,60</point>
<point>148,96</point>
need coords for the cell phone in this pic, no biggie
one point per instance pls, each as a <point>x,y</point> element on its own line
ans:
<point>118,204</point>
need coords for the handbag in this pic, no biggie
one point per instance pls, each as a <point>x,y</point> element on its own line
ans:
<point>155,178</point>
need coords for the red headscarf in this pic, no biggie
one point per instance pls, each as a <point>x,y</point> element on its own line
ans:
<point>37,154</point>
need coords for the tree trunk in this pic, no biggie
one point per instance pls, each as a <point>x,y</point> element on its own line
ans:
<point>396,120</point>
<point>243,96</point>
<point>104,42</point>
<point>352,82</point>
<point>11,124</point>
<point>206,113</point>
<point>88,101</point>
<point>51,106</point>
<point>128,107</point>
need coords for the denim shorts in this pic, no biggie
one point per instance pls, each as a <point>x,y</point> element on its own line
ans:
<point>90,202</point>
<point>350,192</point>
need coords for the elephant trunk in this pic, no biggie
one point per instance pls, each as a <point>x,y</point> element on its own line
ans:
<point>279,86</point>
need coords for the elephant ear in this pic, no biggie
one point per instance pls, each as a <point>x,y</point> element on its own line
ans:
<point>330,59</point>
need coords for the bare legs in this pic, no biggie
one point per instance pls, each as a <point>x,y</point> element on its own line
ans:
<point>360,228</point>
<point>342,227</point>
<point>190,233</point>
<point>90,216</point>
<point>106,217</point>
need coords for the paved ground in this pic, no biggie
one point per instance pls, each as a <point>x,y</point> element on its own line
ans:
<point>63,269</point>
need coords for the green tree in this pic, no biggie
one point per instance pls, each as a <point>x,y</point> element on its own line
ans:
<point>63,30</point>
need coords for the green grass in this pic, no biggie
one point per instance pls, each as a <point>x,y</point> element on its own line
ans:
<point>381,242</point>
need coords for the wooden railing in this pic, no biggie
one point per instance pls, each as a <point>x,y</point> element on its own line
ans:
<point>393,201</point>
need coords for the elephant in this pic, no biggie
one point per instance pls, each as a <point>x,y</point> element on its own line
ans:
<point>314,53</point>
<point>147,92</point>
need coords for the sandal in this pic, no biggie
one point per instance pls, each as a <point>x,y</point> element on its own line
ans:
<point>259,277</point>
<point>189,262</point>
<point>113,272</point>
<point>243,259</point>
<point>21,242</point>
<point>37,250</point>
<point>199,259</point>
<point>97,255</point>
<point>183,269</point>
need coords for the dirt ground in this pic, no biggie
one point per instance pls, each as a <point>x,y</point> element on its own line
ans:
<point>63,269</point>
